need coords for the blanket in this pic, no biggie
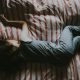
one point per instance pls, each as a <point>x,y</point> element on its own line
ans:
<point>46,21</point>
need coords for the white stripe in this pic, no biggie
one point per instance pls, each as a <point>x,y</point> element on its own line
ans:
<point>48,27</point>
<point>14,31</point>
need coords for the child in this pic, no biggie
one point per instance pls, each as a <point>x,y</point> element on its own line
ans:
<point>44,51</point>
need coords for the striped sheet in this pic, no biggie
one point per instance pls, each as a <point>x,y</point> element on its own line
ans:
<point>47,18</point>
<point>46,21</point>
<point>9,32</point>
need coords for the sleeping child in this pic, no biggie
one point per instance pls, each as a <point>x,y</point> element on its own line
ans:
<point>43,51</point>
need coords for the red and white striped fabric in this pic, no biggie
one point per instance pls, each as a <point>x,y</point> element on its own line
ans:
<point>9,32</point>
<point>47,18</point>
<point>45,27</point>
<point>46,21</point>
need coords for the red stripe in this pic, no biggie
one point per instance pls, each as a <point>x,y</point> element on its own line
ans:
<point>59,15</point>
<point>56,33</point>
<point>35,30</point>
<point>45,28</point>
<point>34,24</point>
<point>56,28</point>
<point>40,29</point>
<point>51,26</point>
<point>51,30</point>
<point>66,11</point>
<point>28,10</point>
<point>46,34</point>
<point>58,10</point>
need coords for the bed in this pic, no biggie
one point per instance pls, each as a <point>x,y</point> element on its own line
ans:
<point>46,20</point>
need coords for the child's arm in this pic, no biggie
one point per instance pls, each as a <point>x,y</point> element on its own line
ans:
<point>16,24</point>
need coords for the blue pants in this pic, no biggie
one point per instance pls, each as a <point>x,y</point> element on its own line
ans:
<point>45,51</point>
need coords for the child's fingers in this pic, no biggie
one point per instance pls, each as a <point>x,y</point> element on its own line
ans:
<point>13,42</point>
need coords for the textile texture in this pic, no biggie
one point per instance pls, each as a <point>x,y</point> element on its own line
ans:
<point>46,20</point>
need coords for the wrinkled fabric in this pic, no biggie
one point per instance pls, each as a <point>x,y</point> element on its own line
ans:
<point>15,10</point>
<point>46,19</point>
<point>9,32</point>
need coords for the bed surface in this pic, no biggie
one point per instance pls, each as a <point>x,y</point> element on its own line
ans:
<point>46,21</point>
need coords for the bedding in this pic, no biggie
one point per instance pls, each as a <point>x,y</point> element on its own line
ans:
<point>47,18</point>
<point>46,21</point>
<point>45,51</point>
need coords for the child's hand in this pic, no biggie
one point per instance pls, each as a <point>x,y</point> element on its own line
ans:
<point>13,43</point>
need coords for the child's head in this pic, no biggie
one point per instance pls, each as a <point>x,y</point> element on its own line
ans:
<point>6,49</point>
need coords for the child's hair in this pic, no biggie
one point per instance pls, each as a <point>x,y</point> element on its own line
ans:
<point>6,48</point>
<point>7,53</point>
